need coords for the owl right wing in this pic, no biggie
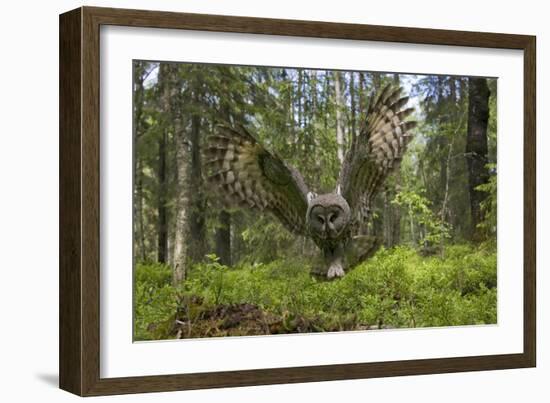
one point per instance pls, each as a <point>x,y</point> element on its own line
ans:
<point>243,173</point>
<point>377,150</point>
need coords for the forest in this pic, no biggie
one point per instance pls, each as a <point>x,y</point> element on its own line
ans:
<point>205,269</point>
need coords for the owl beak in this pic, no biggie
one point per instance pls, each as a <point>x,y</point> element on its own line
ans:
<point>331,230</point>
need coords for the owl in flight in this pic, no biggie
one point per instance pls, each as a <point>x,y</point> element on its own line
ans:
<point>243,173</point>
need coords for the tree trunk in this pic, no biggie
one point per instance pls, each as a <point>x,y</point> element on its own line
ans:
<point>139,232</point>
<point>476,147</point>
<point>339,116</point>
<point>223,238</point>
<point>353,106</point>
<point>139,213</point>
<point>183,190</point>
<point>444,204</point>
<point>313,110</point>
<point>362,101</point>
<point>411,224</point>
<point>446,102</point>
<point>198,202</point>
<point>162,217</point>
<point>162,214</point>
<point>326,99</point>
<point>396,212</point>
<point>376,83</point>
<point>396,79</point>
<point>299,96</point>
<point>387,220</point>
<point>181,239</point>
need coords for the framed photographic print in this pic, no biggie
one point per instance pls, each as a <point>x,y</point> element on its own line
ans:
<point>275,201</point>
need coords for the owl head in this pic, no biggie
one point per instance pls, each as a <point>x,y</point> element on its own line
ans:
<point>328,215</point>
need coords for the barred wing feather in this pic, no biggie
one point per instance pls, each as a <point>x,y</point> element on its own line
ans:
<point>377,150</point>
<point>243,173</point>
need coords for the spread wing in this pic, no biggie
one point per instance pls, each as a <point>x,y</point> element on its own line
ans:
<point>243,173</point>
<point>377,150</point>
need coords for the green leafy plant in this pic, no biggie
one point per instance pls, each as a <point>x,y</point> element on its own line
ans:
<point>397,288</point>
<point>435,229</point>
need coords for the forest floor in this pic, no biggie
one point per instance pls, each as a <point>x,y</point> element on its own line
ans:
<point>245,319</point>
<point>397,288</point>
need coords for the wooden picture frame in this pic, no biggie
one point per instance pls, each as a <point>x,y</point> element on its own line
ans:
<point>79,346</point>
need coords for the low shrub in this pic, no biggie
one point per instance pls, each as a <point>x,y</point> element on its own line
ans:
<point>396,288</point>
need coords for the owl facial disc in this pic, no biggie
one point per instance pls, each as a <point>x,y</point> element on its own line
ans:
<point>328,216</point>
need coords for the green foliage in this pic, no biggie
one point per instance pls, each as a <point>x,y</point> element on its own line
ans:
<point>209,276</point>
<point>396,288</point>
<point>418,207</point>
<point>154,300</point>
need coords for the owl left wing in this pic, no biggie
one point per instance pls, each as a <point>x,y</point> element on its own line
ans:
<point>377,150</point>
<point>243,173</point>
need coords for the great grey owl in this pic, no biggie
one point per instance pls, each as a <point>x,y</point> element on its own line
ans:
<point>245,174</point>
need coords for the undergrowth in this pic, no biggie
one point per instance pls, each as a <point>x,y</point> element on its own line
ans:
<point>397,288</point>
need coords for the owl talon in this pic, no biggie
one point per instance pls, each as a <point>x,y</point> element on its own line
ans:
<point>335,270</point>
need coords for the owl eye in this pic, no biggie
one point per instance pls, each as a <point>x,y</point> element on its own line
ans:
<point>321,219</point>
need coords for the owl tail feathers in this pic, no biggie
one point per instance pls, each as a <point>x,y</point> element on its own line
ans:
<point>360,248</point>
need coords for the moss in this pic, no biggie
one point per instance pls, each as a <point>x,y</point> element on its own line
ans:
<point>396,288</point>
